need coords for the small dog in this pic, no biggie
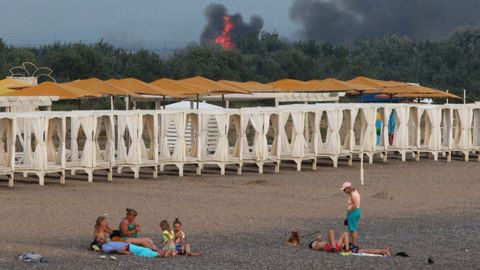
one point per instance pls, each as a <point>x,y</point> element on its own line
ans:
<point>294,240</point>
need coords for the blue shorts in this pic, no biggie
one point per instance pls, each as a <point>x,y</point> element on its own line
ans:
<point>112,246</point>
<point>178,248</point>
<point>352,219</point>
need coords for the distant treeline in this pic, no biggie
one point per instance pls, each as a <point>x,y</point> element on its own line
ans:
<point>452,63</point>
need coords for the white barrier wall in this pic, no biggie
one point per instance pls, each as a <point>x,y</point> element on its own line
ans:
<point>36,143</point>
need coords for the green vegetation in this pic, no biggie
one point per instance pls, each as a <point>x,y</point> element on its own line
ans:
<point>452,63</point>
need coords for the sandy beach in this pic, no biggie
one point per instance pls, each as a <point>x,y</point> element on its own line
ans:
<point>426,209</point>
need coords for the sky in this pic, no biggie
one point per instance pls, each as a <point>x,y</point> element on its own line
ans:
<point>152,24</point>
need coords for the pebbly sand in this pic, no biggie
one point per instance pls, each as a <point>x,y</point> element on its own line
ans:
<point>427,209</point>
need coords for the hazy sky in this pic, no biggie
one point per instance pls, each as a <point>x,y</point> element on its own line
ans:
<point>144,23</point>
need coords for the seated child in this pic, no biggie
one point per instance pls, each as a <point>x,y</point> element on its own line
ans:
<point>181,247</point>
<point>168,243</point>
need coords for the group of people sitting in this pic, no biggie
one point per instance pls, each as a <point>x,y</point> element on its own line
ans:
<point>125,240</point>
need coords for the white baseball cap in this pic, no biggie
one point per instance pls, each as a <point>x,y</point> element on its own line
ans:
<point>345,185</point>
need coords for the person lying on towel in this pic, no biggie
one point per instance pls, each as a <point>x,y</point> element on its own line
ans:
<point>341,245</point>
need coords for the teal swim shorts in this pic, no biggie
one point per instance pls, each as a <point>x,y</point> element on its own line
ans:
<point>352,219</point>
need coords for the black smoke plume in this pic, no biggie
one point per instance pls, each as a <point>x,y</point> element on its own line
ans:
<point>215,13</point>
<point>345,20</point>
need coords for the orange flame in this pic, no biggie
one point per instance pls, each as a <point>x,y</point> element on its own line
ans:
<point>224,38</point>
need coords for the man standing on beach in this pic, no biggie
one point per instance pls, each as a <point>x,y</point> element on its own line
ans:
<point>353,210</point>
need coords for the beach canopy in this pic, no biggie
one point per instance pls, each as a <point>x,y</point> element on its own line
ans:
<point>94,85</point>
<point>330,84</point>
<point>204,87</point>
<point>374,83</point>
<point>391,89</point>
<point>13,84</point>
<point>291,85</point>
<point>325,85</point>
<point>53,89</point>
<point>4,91</point>
<point>414,91</point>
<point>175,88</point>
<point>139,87</point>
<point>251,86</point>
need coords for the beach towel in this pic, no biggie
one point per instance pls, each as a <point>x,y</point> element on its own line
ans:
<point>142,251</point>
<point>367,255</point>
<point>361,254</point>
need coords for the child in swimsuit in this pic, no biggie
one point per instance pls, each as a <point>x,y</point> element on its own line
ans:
<point>168,243</point>
<point>181,247</point>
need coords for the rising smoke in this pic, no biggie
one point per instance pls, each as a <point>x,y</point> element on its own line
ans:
<point>215,14</point>
<point>345,20</point>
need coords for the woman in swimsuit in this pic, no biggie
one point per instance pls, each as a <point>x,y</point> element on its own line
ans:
<point>129,231</point>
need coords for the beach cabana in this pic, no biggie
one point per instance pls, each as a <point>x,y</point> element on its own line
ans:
<point>91,142</point>
<point>137,141</point>
<point>398,129</point>
<point>252,143</point>
<point>476,129</point>
<point>7,146</point>
<point>219,154</point>
<point>447,131</point>
<point>104,142</point>
<point>295,126</point>
<point>327,127</point>
<point>81,133</point>
<point>197,128</point>
<point>462,125</point>
<point>41,145</point>
<point>383,125</point>
<point>171,140</point>
<point>359,120</point>
<point>429,131</point>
